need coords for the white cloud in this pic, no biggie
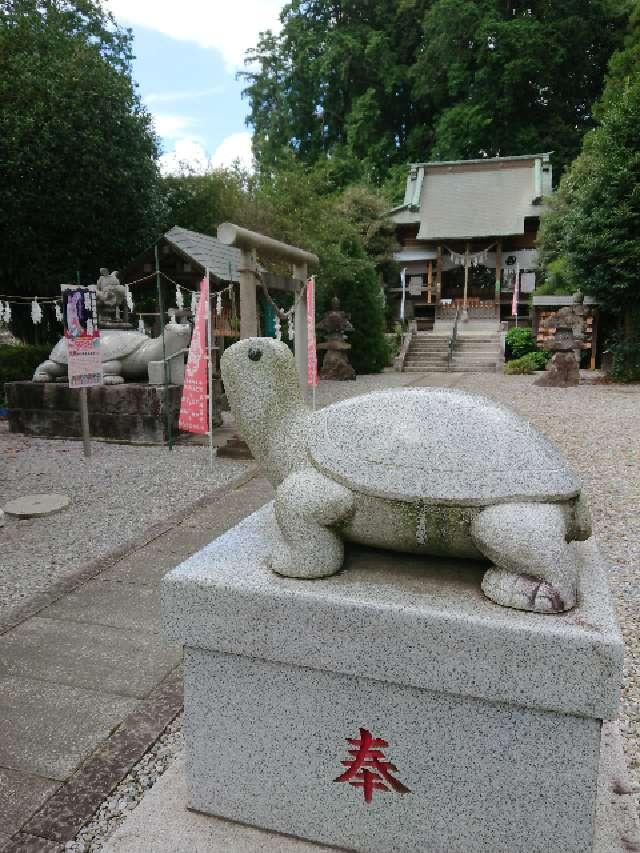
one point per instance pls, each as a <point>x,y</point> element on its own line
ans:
<point>172,126</point>
<point>230,29</point>
<point>188,157</point>
<point>172,97</point>
<point>234,147</point>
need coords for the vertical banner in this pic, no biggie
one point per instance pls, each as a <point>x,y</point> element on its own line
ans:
<point>516,292</point>
<point>194,406</point>
<point>312,363</point>
<point>403,282</point>
<point>80,317</point>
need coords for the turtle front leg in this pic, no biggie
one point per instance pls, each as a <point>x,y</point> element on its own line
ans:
<point>49,371</point>
<point>306,505</point>
<point>535,568</point>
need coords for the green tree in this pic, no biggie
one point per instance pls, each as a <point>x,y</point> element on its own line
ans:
<point>335,81</point>
<point>302,206</point>
<point>202,202</point>
<point>79,184</point>
<point>590,237</point>
<point>379,83</point>
<point>346,232</point>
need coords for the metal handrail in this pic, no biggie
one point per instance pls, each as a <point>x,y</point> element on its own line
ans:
<point>452,340</point>
<point>407,337</point>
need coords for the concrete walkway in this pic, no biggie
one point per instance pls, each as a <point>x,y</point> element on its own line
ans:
<point>87,682</point>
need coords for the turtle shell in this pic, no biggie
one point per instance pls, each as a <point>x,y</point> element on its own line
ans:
<point>114,344</point>
<point>437,446</point>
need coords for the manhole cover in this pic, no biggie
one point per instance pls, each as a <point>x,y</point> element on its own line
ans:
<point>32,506</point>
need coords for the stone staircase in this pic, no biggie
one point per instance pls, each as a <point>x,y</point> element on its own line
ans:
<point>428,353</point>
<point>475,354</point>
<point>477,348</point>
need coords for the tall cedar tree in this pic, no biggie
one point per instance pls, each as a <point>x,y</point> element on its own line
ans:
<point>375,83</point>
<point>79,184</point>
<point>592,230</point>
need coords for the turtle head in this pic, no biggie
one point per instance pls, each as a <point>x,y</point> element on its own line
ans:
<point>261,384</point>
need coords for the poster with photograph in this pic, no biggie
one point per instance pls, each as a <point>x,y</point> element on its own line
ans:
<point>80,315</point>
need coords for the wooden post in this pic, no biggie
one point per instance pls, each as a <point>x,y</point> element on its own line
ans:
<point>439,274</point>
<point>429,281</point>
<point>248,302</point>
<point>84,420</point>
<point>300,271</point>
<point>498,277</point>
<point>167,401</point>
<point>465,312</point>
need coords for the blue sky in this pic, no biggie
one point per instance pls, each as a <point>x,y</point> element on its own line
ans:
<point>188,54</point>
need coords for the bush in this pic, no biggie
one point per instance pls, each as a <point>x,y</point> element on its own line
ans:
<point>519,342</point>
<point>626,358</point>
<point>528,363</point>
<point>19,362</point>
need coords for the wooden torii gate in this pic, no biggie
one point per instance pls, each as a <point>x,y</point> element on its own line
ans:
<point>250,242</point>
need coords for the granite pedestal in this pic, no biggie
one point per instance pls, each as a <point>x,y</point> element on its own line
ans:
<point>391,707</point>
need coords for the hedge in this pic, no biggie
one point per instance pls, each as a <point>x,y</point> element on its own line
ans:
<point>20,361</point>
<point>528,363</point>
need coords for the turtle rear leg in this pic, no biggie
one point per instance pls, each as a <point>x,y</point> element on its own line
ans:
<point>112,372</point>
<point>535,568</point>
<point>306,505</point>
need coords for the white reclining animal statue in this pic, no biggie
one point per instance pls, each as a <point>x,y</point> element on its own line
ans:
<point>125,353</point>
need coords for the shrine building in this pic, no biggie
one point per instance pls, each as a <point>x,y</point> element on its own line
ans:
<point>466,229</point>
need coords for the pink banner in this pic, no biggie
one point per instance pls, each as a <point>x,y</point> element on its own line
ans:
<point>312,362</point>
<point>516,293</point>
<point>194,407</point>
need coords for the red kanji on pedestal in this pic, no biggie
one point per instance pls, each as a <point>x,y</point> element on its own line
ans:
<point>368,768</point>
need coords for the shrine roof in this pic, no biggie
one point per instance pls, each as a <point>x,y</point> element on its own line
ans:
<point>206,251</point>
<point>463,199</point>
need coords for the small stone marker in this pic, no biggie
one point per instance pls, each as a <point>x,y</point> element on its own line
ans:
<point>33,506</point>
<point>1,518</point>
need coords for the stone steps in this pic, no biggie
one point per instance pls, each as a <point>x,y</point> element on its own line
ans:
<point>427,369</point>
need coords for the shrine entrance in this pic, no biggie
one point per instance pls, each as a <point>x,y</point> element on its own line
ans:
<point>481,291</point>
<point>481,285</point>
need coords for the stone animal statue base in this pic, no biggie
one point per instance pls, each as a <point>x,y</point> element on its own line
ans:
<point>416,470</point>
<point>335,365</point>
<point>561,372</point>
<point>491,718</point>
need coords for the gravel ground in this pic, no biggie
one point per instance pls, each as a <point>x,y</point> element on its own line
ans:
<point>115,495</point>
<point>597,427</point>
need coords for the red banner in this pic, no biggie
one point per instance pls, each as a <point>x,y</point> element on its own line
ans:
<point>312,362</point>
<point>194,407</point>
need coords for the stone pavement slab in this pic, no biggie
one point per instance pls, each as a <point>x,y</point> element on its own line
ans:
<point>21,794</point>
<point>73,804</point>
<point>47,729</point>
<point>94,657</point>
<point>26,843</point>
<point>110,604</point>
<point>88,682</point>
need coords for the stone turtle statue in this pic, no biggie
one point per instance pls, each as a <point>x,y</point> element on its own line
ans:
<point>125,353</point>
<point>418,470</point>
